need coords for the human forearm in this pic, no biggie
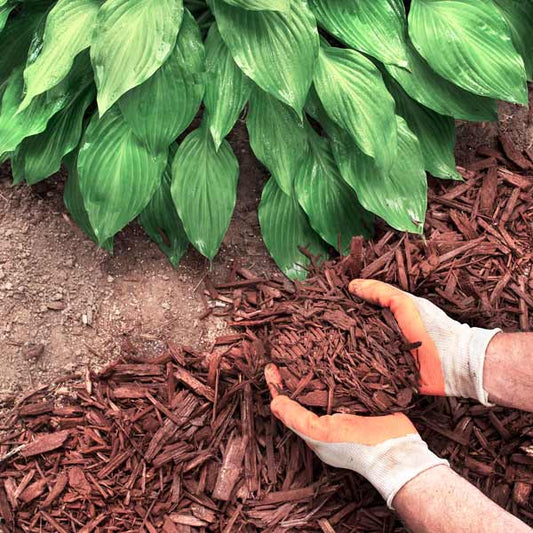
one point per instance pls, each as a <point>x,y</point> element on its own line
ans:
<point>508,370</point>
<point>440,501</point>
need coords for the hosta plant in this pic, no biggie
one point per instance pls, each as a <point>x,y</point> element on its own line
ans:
<point>347,103</point>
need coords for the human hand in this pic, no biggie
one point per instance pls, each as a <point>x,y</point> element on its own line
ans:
<point>386,450</point>
<point>451,356</point>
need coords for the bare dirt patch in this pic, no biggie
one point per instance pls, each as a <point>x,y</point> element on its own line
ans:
<point>66,305</point>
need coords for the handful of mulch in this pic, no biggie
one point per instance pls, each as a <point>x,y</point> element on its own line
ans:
<point>336,352</point>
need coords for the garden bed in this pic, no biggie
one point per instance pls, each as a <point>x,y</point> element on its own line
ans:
<point>186,442</point>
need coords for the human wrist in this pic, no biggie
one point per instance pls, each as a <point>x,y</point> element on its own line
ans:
<point>387,465</point>
<point>463,362</point>
<point>508,370</point>
<point>479,341</point>
<point>398,461</point>
<point>460,353</point>
<point>408,497</point>
<point>461,350</point>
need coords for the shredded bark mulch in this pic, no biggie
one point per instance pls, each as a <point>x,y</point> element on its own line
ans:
<point>187,443</point>
<point>336,353</point>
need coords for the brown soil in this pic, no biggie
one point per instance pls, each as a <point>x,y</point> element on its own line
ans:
<point>60,292</point>
<point>65,305</point>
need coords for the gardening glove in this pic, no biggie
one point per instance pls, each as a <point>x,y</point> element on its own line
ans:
<point>386,450</point>
<point>451,355</point>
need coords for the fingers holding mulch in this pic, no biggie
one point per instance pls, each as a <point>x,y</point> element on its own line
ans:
<point>336,352</point>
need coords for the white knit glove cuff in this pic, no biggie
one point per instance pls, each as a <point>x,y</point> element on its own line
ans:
<point>461,351</point>
<point>465,378</point>
<point>388,465</point>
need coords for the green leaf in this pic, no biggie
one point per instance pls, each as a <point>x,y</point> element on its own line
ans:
<point>399,196</point>
<point>436,133</point>
<point>375,27</point>
<point>261,5</point>
<point>227,88</point>
<point>354,95</point>
<point>277,137</point>
<point>39,156</point>
<point>285,227</point>
<point>428,88</point>
<point>331,205</point>
<point>162,223</point>
<point>469,43</point>
<point>204,189</point>
<point>16,38</point>
<point>161,108</point>
<point>132,39</point>
<point>5,10</point>
<point>277,50</point>
<point>73,200</point>
<point>519,16</point>
<point>16,126</point>
<point>118,174</point>
<point>68,31</point>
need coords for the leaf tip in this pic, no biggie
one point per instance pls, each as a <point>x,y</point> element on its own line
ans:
<point>217,138</point>
<point>523,98</point>
<point>27,100</point>
<point>404,63</point>
<point>104,105</point>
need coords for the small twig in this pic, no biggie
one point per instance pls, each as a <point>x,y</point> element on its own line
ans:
<point>12,452</point>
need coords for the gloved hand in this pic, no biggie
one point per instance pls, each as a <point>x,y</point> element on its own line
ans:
<point>386,450</point>
<point>452,354</point>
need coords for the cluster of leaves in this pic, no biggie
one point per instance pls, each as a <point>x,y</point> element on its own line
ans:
<point>349,103</point>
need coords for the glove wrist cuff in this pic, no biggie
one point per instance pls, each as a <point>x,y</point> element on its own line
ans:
<point>398,461</point>
<point>477,350</point>
<point>466,376</point>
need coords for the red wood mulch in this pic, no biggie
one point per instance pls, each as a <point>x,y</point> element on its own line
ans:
<point>187,443</point>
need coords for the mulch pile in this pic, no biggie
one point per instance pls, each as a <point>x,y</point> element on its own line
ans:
<point>186,442</point>
<point>336,353</point>
<point>477,263</point>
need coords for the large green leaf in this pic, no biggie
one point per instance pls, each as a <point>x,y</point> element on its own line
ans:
<point>399,196</point>
<point>469,43</point>
<point>276,49</point>
<point>376,27</point>
<point>118,174</point>
<point>227,88</point>
<point>5,10</point>
<point>261,5</point>
<point>68,31</point>
<point>73,200</point>
<point>277,137</point>
<point>132,39</point>
<point>16,126</point>
<point>39,156</point>
<point>162,107</point>
<point>354,95</point>
<point>17,36</point>
<point>519,16</point>
<point>331,205</point>
<point>162,223</point>
<point>436,133</point>
<point>204,189</point>
<point>285,227</point>
<point>428,88</point>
